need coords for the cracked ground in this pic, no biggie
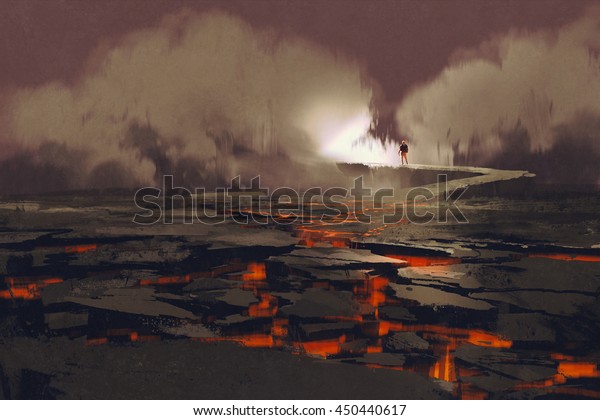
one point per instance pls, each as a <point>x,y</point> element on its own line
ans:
<point>505,306</point>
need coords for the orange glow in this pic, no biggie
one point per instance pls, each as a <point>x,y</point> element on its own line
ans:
<point>384,328</point>
<point>560,356</point>
<point>567,370</point>
<point>337,239</point>
<point>485,339</point>
<point>367,334</point>
<point>476,337</point>
<point>420,261</point>
<point>444,368</point>
<point>79,249</point>
<point>96,341</point>
<point>396,326</point>
<point>266,307</point>
<point>338,244</point>
<point>578,370</point>
<point>256,340</point>
<point>443,342</point>
<point>375,328</point>
<point>167,280</point>
<point>133,336</point>
<point>248,340</point>
<point>279,327</point>
<point>553,380</point>
<point>255,272</point>
<point>375,349</point>
<point>26,288</point>
<point>566,257</point>
<point>19,293</point>
<point>322,348</point>
<point>370,291</point>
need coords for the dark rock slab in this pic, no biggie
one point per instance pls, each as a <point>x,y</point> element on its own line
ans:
<point>319,303</point>
<point>406,341</point>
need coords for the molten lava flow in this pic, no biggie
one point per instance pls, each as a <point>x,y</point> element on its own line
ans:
<point>371,290</point>
<point>279,328</point>
<point>256,272</point>
<point>96,341</point>
<point>374,348</point>
<point>367,335</point>
<point>257,340</point>
<point>26,288</point>
<point>578,370</point>
<point>444,368</point>
<point>566,257</point>
<point>118,334</point>
<point>486,339</point>
<point>462,335</point>
<point>265,308</point>
<point>254,278</point>
<point>423,261</point>
<point>80,249</point>
<point>566,369</point>
<point>443,342</point>
<point>167,280</point>
<point>337,239</point>
<point>321,348</point>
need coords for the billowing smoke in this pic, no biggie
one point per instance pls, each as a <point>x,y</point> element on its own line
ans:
<point>521,100</point>
<point>205,97</point>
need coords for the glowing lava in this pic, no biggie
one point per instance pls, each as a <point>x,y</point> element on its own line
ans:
<point>27,288</point>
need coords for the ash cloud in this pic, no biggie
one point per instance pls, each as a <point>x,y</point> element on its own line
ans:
<point>204,97</point>
<point>522,100</point>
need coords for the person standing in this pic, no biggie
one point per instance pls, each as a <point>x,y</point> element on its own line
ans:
<point>403,152</point>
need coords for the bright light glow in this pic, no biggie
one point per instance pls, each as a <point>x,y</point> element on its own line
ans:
<point>349,142</point>
<point>342,135</point>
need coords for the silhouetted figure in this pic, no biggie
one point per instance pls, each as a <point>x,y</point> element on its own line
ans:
<point>403,152</point>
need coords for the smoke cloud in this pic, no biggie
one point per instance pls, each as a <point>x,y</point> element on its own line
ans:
<point>205,97</point>
<point>521,100</point>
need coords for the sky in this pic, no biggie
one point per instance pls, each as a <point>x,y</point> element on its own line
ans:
<point>105,93</point>
<point>401,42</point>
